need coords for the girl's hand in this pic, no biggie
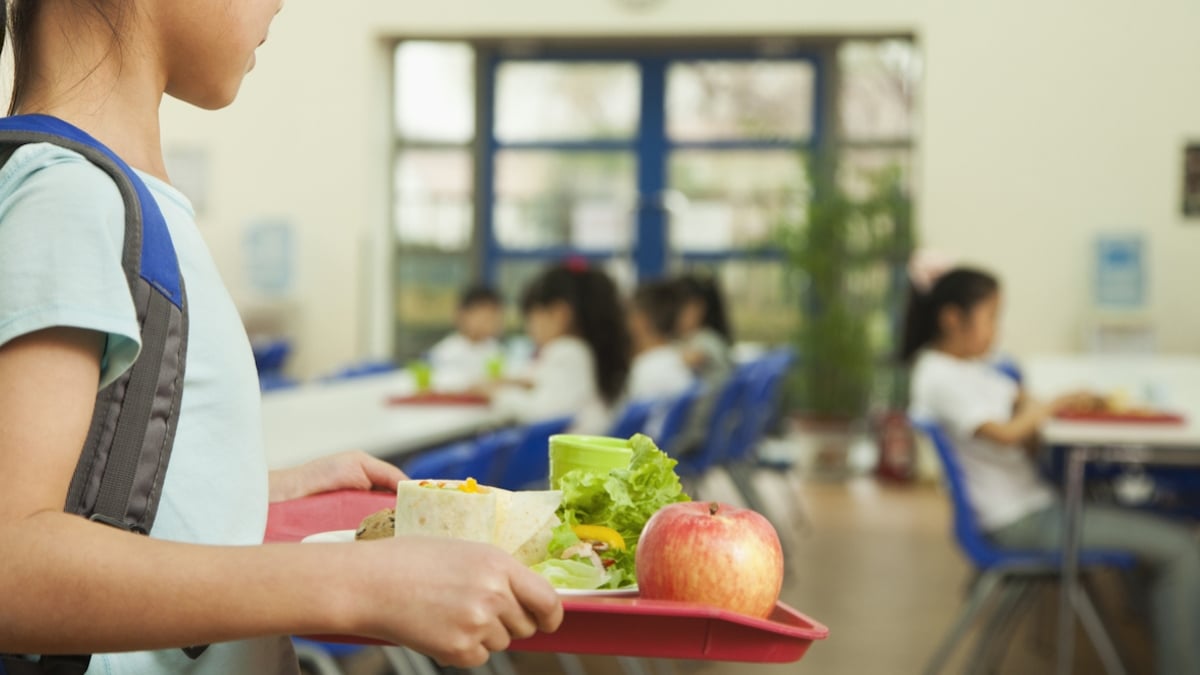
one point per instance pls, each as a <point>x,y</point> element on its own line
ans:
<point>353,470</point>
<point>453,600</point>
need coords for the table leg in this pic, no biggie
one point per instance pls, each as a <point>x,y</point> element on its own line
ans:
<point>1072,515</point>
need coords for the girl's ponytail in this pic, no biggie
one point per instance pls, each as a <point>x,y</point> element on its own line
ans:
<point>920,323</point>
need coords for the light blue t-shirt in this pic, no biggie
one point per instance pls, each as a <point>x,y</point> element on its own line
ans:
<point>61,232</point>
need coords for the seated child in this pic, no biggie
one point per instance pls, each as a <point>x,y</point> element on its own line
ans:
<point>949,334</point>
<point>658,368</point>
<point>469,349</point>
<point>703,329</point>
<point>573,315</point>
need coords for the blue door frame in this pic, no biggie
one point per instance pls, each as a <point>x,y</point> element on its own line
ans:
<point>652,146</point>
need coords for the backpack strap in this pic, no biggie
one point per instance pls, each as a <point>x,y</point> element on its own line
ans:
<point>119,477</point>
<point>118,480</point>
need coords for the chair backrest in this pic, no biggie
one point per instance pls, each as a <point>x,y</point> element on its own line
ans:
<point>632,419</point>
<point>723,422</point>
<point>675,418</point>
<point>477,458</point>
<point>759,403</point>
<point>527,461</point>
<point>364,369</point>
<point>967,532</point>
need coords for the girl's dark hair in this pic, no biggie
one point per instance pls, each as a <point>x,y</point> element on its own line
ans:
<point>17,18</point>
<point>480,294</point>
<point>706,290</point>
<point>660,301</point>
<point>961,287</point>
<point>599,319</point>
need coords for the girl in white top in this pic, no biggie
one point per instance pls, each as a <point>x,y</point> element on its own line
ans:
<point>659,370</point>
<point>993,425</point>
<point>68,326</point>
<point>573,315</point>
<point>703,329</point>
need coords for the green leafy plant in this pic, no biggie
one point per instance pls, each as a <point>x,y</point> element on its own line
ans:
<point>846,259</point>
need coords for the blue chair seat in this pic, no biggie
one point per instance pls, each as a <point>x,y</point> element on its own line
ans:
<point>525,463</point>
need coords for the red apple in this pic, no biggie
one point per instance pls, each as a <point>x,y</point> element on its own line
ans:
<point>711,553</point>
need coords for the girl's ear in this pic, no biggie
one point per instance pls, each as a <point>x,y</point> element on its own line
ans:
<point>950,320</point>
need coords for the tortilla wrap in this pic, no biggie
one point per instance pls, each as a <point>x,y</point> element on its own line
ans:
<point>520,523</point>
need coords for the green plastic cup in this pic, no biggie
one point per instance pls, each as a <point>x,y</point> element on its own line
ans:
<point>422,375</point>
<point>495,367</point>
<point>600,454</point>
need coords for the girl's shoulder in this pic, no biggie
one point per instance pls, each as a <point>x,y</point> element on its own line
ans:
<point>41,170</point>
<point>567,347</point>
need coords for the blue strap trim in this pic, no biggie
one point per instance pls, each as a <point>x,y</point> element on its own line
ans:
<point>159,264</point>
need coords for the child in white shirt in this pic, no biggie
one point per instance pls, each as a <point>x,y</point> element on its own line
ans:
<point>659,370</point>
<point>703,329</point>
<point>950,330</point>
<point>574,317</point>
<point>469,350</point>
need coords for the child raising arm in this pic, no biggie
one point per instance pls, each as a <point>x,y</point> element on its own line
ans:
<point>68,326</point>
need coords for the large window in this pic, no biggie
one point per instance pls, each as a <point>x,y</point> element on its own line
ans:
<point>648,162</point>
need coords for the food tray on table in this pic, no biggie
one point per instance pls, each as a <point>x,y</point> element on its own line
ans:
<point>1139,417</point>
<point>439,398</point>
<point>614,626</point>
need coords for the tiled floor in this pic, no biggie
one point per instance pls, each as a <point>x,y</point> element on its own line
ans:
<point>877,565</point>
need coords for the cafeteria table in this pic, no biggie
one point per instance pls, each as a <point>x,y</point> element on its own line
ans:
<point>366,413</point>
<point>1167,383</point>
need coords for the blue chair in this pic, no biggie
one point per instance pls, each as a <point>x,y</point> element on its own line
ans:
<point>477,458</point>
<point>275,382</point>
<point>633,419</point>
<point>364,369</point>
<point>270,356</point>
<point>527,461</point>
<point>724,419</point>
<point>667,430</point>
<point>1013,572</point>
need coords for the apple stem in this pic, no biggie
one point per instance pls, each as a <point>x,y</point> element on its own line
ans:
<point>713,507</point>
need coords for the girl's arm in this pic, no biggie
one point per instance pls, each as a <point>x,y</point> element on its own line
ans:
<point>1027,419</point>
<point>71,586</point>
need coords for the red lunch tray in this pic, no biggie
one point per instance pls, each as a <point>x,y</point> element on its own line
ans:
<point>614,626</point>
<point>439,398</point>
<point>1122,418</point>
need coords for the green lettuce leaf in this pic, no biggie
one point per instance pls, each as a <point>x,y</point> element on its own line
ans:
<point>624,500</point>
<point>572,573</point>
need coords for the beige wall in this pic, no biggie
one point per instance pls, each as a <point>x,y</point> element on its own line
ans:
<point>1044,124</point>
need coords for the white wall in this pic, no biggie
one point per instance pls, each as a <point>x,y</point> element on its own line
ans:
<point>1043,124</point>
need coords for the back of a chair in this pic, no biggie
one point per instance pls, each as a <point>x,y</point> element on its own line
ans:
<point>527,463</point>
<point>675,419</point>
<point>759,403</point>
<point>723,422</point>
<point>632,419</point>
<point>445,462</point>
<point>967,532</point>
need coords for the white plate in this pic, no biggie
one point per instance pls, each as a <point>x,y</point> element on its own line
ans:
<point>343,536</point>
<point>331,537</point>
<point>599,592</point>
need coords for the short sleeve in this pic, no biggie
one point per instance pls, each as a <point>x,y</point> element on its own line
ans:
<point>958,396</point>
<point>61,239</point>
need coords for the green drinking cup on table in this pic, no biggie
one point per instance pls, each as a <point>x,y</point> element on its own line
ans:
<point>422,375</point>
<point>599,454</point>
<point>495,367</point>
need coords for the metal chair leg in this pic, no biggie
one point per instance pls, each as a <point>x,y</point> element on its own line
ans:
<point>407,662</point>
<point>571,664</point>
<point>632,666</point>
<point>1094,627</point>
<point>318,659</point>
<point>996,635</point>
<point>981,590</point>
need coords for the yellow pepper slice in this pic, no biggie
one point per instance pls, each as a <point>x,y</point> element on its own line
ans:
<point>600,533</point>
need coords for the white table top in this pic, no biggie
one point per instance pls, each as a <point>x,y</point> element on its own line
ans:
<point>1169,383</point>
<point>319,419</point>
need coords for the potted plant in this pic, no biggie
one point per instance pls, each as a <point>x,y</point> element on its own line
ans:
<point>846,259</point>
